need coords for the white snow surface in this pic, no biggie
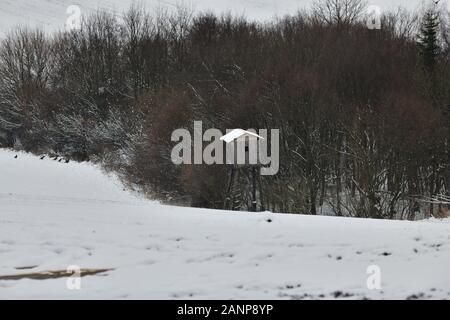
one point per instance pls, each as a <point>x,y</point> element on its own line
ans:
<point>53,215</point>
<point>51,15</point>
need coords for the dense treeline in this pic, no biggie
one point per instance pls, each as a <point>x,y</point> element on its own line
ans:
<point>363,114</point>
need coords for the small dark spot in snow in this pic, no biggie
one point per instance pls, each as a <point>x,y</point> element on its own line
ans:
<point>321,296</point>
<point>358,252</point>
<point>292,286</point>
<point>415,250</point>
<point>386,254</point>
<point>299,245</point>
<point>295,296</point>
<point>269,220</point>
<point>338,294</point>
<point>418,296</point>
<point>417,239</point>
<point>305,296</point>
<point>433,289</point>
<point>58,251</point>
<point>338,258</point>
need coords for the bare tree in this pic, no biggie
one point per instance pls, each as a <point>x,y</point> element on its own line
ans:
<point>25,68</point>
<point>338,12</point>
<point>402,23</point>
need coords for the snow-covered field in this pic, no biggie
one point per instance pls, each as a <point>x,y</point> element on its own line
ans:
<point>50,15</point>
<point>53,215</point>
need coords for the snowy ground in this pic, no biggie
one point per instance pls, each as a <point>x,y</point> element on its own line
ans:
<point>53,215</point>
<point>50,15</point>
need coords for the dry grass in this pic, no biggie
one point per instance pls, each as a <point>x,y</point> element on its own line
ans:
<point>442,213</point>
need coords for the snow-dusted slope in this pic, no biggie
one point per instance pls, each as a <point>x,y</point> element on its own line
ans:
<point>50,179</point>
<point>53,215</point>
<point>51,14</point>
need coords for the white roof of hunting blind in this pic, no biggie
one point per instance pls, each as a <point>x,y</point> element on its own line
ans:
<point>239,134</point>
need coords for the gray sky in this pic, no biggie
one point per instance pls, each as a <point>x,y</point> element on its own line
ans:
<point>51,14</point>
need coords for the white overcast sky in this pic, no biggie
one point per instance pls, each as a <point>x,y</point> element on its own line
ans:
<point>51,14</point>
